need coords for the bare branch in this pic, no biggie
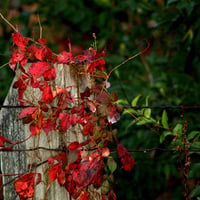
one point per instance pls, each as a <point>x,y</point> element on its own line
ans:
<point>15,29</point>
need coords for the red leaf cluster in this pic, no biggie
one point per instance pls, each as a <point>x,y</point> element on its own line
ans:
<point>126,158</point>
<point>25,186</point>
<point>85,196</point>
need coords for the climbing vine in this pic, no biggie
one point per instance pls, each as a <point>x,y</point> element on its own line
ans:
<point>93,111</point>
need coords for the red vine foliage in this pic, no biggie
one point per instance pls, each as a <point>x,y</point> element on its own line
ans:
<point>95,113</point>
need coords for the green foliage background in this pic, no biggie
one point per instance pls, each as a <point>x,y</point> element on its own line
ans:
<point>169,73</point>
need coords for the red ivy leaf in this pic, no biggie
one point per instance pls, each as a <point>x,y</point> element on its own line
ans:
<point>47,96</point>
<point>65,121</point>
<point>19,40</point>
<point>103,98</point>
<point>73,120</point>
<point>42,41</point>
<point>114,115</point>
<point>121,150</point>
<point>103,53</point>
<point>88,129</point>
<point>2,141</point>
<point>85,196</point>
<point>48,126</point>
<point>21,84</point>
<point>60,158</point>
<point>81,58</point>
<point>53,172</point>
<point>61,176</point>
<point>38,68</point>
<point>127,160</point>
<point>27,112</point>
<point>90,171</point>
<point>50,74</point>
<point>34,128</point>
<point>71,187</point>
<point>17,56</point>
<point>73,145</point>
<point>91,67</point>
<point>99,65</point>
<point>44,54</point>
<point>25,185</point>
<point>64,57</point>
<point>86,93</point>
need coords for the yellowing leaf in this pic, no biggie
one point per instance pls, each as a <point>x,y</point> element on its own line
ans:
<point>112,165</point>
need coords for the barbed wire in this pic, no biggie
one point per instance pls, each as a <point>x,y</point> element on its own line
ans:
<point>7,149</point>
<point>134,107</point>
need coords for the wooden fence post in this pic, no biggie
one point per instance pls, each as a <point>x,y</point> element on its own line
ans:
<point>17,162</point>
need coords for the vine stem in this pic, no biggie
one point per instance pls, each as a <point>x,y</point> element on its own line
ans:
<point>22,140</point>
<point>134,56</point>
<point>4,65</point>
<point>15,29</point>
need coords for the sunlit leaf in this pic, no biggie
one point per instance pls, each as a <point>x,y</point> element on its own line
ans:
<point>135,100</point>
<point>165,119</point>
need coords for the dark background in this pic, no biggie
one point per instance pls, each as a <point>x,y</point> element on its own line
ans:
<point>169,72</point>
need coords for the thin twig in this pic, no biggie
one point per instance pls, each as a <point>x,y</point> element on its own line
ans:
<point>40,25</point>
<point>4,65</point>
<point>141,52</point>
<point>15,29</point>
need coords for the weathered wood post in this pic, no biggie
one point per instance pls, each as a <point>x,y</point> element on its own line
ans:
<point>17,162</point>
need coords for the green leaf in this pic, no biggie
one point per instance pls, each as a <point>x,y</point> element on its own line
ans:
<point>195,171</point>
<point>196,145</point>
<point>143,120</point>
<point>112,165</point>
<point>178,129</point>
<point>105,188</point>
<point>195,192</point>
<point>135,100</point>
<point>147,101</point>
<point>121,101</point>
<point>147,112</point>
<point>129,110</point>
<point>193,134</point>
<point>164,135</point>
<point>165,119</point>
